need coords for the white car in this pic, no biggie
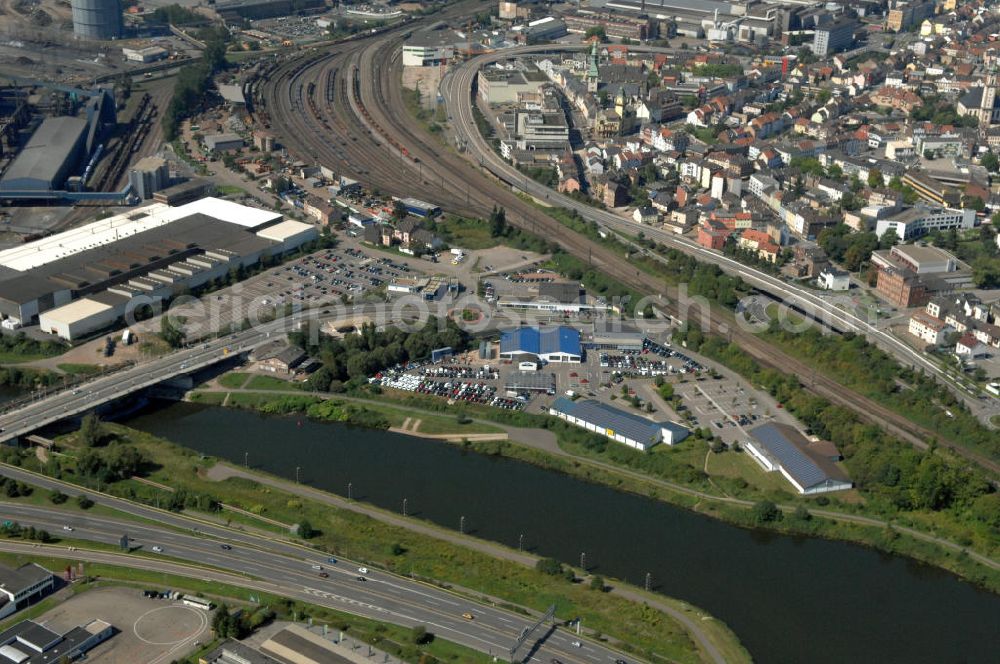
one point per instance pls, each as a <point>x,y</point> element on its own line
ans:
<point>318,567</point>
<point>157,549</point>
<point>68,528</point>
<point>577,644</point>
<point>363,570</point>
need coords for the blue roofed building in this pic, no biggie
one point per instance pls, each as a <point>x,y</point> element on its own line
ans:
<point>806,464</point>
<point>549,344</point>
<point>622,427</point>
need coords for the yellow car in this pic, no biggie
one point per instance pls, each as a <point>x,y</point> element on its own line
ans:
<point>468,616</point>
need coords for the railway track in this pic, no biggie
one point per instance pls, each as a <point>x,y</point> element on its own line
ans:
<point>361,126</point>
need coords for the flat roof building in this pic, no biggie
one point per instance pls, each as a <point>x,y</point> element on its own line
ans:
<point>31,643</point>
<point>299,645</point>
<point>549,344</point>
<point>23,586</point>
<point>804,463</point>
<point>152,252</point>
<point>49,156</point>
<point>628,428</point>
<point>148,176</point>
<point>529,381</point>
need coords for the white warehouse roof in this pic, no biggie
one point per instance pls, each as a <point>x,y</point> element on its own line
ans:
<point>285,230</point>
<point>234,213</point>
<point>75,311</point>
<point>106,231</point>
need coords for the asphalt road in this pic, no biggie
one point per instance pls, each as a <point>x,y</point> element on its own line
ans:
<point>456,89</point>
<point>286,569</point>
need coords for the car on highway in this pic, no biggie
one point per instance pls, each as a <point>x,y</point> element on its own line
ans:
<point>555,660</point>
<point>68,528</point>
<point>332,561</point>
<point>620,661</point>
<point>226,547</point>
<point>317,567</point>
<point>324,575</point>
<point>361,578</point>
<point>576,644</point>
<point>363,570</point>
<point>157,549</point>
<point>468,616</point>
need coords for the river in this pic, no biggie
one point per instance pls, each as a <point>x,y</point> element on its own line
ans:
<point>789,599</point>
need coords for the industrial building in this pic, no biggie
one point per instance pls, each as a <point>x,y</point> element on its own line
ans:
<point>620,341</point>
<point>49,156</point>
<point>57,149</point>
<point>628,428</point>
<point>234,652</point>
<point>234,10</point>
<point>148,54</point>
<point>432,47</point>
<point>297,644</point>
<point>23,586</point>
<point>534,344</point>
<point>97,19</point>
<point>521,382</point>
<point>82,280</point>
<point>223,142</point>
<point>807,464</point>
<point>31,643</point>
<point>148,176</point>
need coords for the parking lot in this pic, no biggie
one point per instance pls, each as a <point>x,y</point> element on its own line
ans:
<point>332,276</point>
<point>150,631</point>
<point>455,382</point>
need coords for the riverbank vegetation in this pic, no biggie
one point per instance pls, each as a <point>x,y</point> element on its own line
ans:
<point>963,507</point>
<point>363,538</point>
<point>21,348</point>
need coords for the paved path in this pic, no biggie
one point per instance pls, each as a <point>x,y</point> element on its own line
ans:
<point>688,620</point>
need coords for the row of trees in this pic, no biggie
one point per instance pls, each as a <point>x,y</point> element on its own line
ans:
<point>195,81</point>
<point>356,357</point>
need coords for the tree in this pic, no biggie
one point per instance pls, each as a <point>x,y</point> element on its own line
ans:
<point>398,210</point>
<point>91,432</point>
<point>419,635</point>
<point>875,178</point>
<point>498,222</point>
<point>83,502</point>
<point>172,330</point>
<point>765,511</point>
<point>58,497</point>
<point>305,529</point>
<point>596,31</point>
<point>549,566</point>
<point>990,162</point>
<point>597,583</point>
<point>801,514</point>
<point>889,239</point>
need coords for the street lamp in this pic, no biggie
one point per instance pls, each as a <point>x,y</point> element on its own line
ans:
<point>350,487</point>
<point>461,525</point>
<point>404,506</point>
<point>297,469</point>
<point>246,459</point>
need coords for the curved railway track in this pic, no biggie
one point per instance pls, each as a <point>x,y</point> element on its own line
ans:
<point>344,109</point>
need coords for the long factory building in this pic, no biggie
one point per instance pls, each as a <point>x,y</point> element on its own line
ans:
<point>80,281</point>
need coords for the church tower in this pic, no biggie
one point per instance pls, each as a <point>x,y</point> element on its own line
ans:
<point>593,73</point>
<point>987,114</point>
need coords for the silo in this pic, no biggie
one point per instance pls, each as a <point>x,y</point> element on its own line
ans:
<point>97,19</point>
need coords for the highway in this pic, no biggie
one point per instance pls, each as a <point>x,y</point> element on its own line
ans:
<point>457,91</point>
<point>288,570</point>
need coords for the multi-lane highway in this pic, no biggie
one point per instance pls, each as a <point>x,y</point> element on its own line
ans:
<point>289,570</point>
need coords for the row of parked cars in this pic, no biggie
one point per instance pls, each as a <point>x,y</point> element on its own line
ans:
<point>460,371</point>
<point>468,391</point>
